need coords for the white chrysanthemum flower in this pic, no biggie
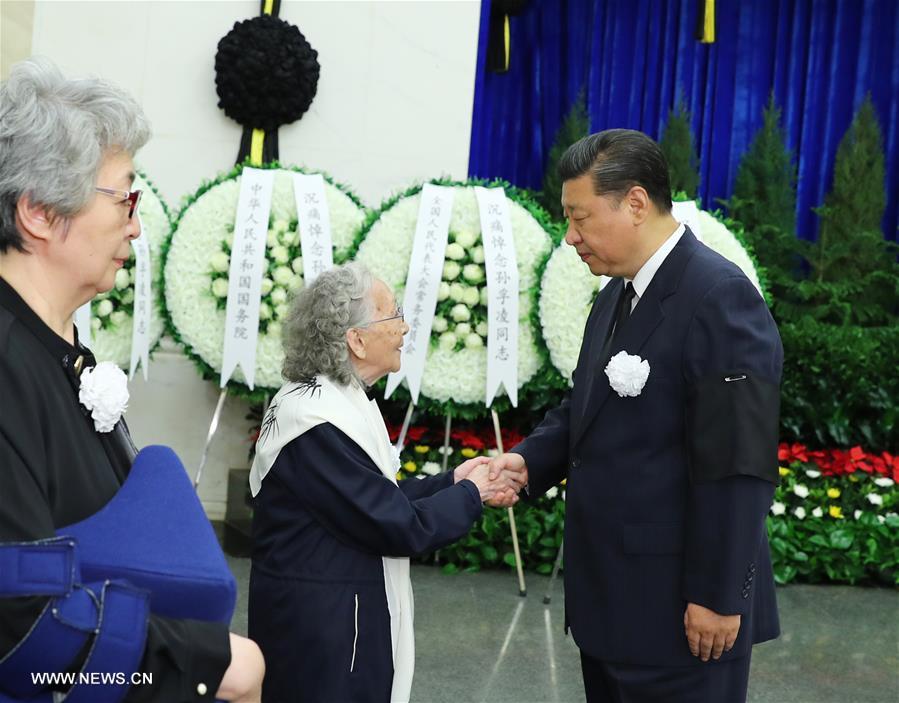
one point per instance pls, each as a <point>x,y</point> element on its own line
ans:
<point>439,325</point>
<point>451,271</point>
<point>857,514</point>
<point>282,275</point>
<point>813,473</point>
<point>220,287</point>
<point>122,279</point>
<point>778,508</point>
<point>460,313</point>
<point>481,329</point>
<point>473,273</point>
<point>552,492</point>
<point>456,292</point>
<point>799,513</point>
<point>443,291</point>
<point>471,297</point>
<point>297,265</point>
<point>473,341</point>
<point>818,512</point>
<point>463,329</point>
<point>118,317</point>
<point>220,262</point>
<point>467,238</point>
<point>279,296</point>
<point>431,468</point>
<point>104,308</point>
<point>568,290</point>
<point>459,375</point>
<point>874,499</point>
<point>627,374</point>
<point>883,482</point>
<point>455,252</point>
<point>205,226</point>
<point>800,490</point>
<point>104,392</point>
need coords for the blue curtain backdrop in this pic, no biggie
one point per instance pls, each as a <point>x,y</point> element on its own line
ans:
<point>633,57</point>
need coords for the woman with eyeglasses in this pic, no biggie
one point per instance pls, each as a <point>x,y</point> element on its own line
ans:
<point>330,597</point>
<point>67,219</point>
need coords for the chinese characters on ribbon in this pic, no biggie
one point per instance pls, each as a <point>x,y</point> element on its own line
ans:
<point>502,293</point>
<point>245,274</point>
<point>422,282</point>
<point>315,225</point>
<point>143,305</point>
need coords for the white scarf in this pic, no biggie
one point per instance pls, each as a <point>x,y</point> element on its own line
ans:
<point>296,409</point>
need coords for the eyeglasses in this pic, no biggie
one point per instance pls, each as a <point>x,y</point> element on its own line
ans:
<point>132,197</point>
<point>397,316</point>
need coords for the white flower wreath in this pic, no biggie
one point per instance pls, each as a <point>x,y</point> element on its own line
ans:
<point>456,366</point>
<point>112,320</point>
<point>568,289</point>
<point>196,269</point>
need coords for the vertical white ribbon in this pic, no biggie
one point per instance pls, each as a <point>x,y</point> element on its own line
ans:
<point>502,293</point>
<point>422,282</point>
<point>143,302</point>
<point>315,224</point>
<point>687,212</point>
<point>83,324</point>
<point>245,274</point>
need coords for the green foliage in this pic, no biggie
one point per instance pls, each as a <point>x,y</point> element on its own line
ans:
<point>575,126</point>
<point>834,545</point>
<point>855,204</point>
<point>765,189</point>
<point>677,145</point>
<point>840,385</point>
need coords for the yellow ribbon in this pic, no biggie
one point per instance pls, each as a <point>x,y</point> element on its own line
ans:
<point>256,147</point>
<point>708,23</point>
<point>507,40</point>
<point>269,5</point>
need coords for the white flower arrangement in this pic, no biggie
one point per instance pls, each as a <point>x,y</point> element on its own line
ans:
<point>456,367</point>
<point>627,374</point>
<point>112,320</point>
<point>104,392</point>
<point>198,261</point>
<point>568,289</point>
<point>778,508</point>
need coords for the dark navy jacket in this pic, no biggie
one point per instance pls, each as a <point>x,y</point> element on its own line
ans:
<point>324,517</point>
<point>668,491</point>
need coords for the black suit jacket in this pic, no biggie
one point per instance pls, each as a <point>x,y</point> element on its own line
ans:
<point>668,491</point>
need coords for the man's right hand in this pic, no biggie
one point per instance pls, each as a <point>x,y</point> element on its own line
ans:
<point>511,466</point>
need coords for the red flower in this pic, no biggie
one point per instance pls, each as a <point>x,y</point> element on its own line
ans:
<point>788,453</point>
<point>467,439</point>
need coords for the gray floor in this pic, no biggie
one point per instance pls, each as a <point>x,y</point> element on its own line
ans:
<point>477,640</point>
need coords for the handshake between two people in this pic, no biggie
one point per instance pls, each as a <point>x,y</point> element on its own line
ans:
<point>499,479</point>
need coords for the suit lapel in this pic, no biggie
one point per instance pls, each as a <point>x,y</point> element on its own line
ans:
<point>635,332</point>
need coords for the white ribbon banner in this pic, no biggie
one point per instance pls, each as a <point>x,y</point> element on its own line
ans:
<point>686,212</point>
<point>502,293</point>
<point>422,282</point>
<point>315,225</point>
<point>245,274</point>
<point>83,324</point>
<point>143,303</point>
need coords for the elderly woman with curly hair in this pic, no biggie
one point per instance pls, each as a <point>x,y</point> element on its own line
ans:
<point>330,596</point>
<point>68,214</point>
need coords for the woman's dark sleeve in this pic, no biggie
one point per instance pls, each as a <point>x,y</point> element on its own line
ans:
<point>415,488</point>
<point>339,484</point>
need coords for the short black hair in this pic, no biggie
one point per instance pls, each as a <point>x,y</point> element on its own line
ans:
<point>617,160</point>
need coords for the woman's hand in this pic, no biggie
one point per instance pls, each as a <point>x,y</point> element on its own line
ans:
<point>242,682</point>
<point>466,467</point>
<point>502,488</point>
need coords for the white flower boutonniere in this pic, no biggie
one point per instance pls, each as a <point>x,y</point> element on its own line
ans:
<point>627,374</point>
<point>104,391</point>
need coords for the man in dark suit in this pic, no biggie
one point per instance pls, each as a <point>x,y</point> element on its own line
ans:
<point>668,579</point>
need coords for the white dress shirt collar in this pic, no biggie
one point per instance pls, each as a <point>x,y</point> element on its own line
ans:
<point>646,273</point>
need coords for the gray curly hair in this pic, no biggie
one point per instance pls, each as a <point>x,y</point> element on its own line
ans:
<point>314,332</point>
<point>54,133</point>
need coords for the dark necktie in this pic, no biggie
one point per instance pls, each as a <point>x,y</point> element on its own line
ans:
<point>622,312</point>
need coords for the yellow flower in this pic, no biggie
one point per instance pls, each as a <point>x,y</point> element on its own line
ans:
<point>836,511</point>
<point>853,478</point>
<point>399,475</point>
<point>833,492</point>
<point>564,481</point>
<point>422,449</point>
<point>784,471</point>
<point>410,467</point>
<point>468,452</point>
